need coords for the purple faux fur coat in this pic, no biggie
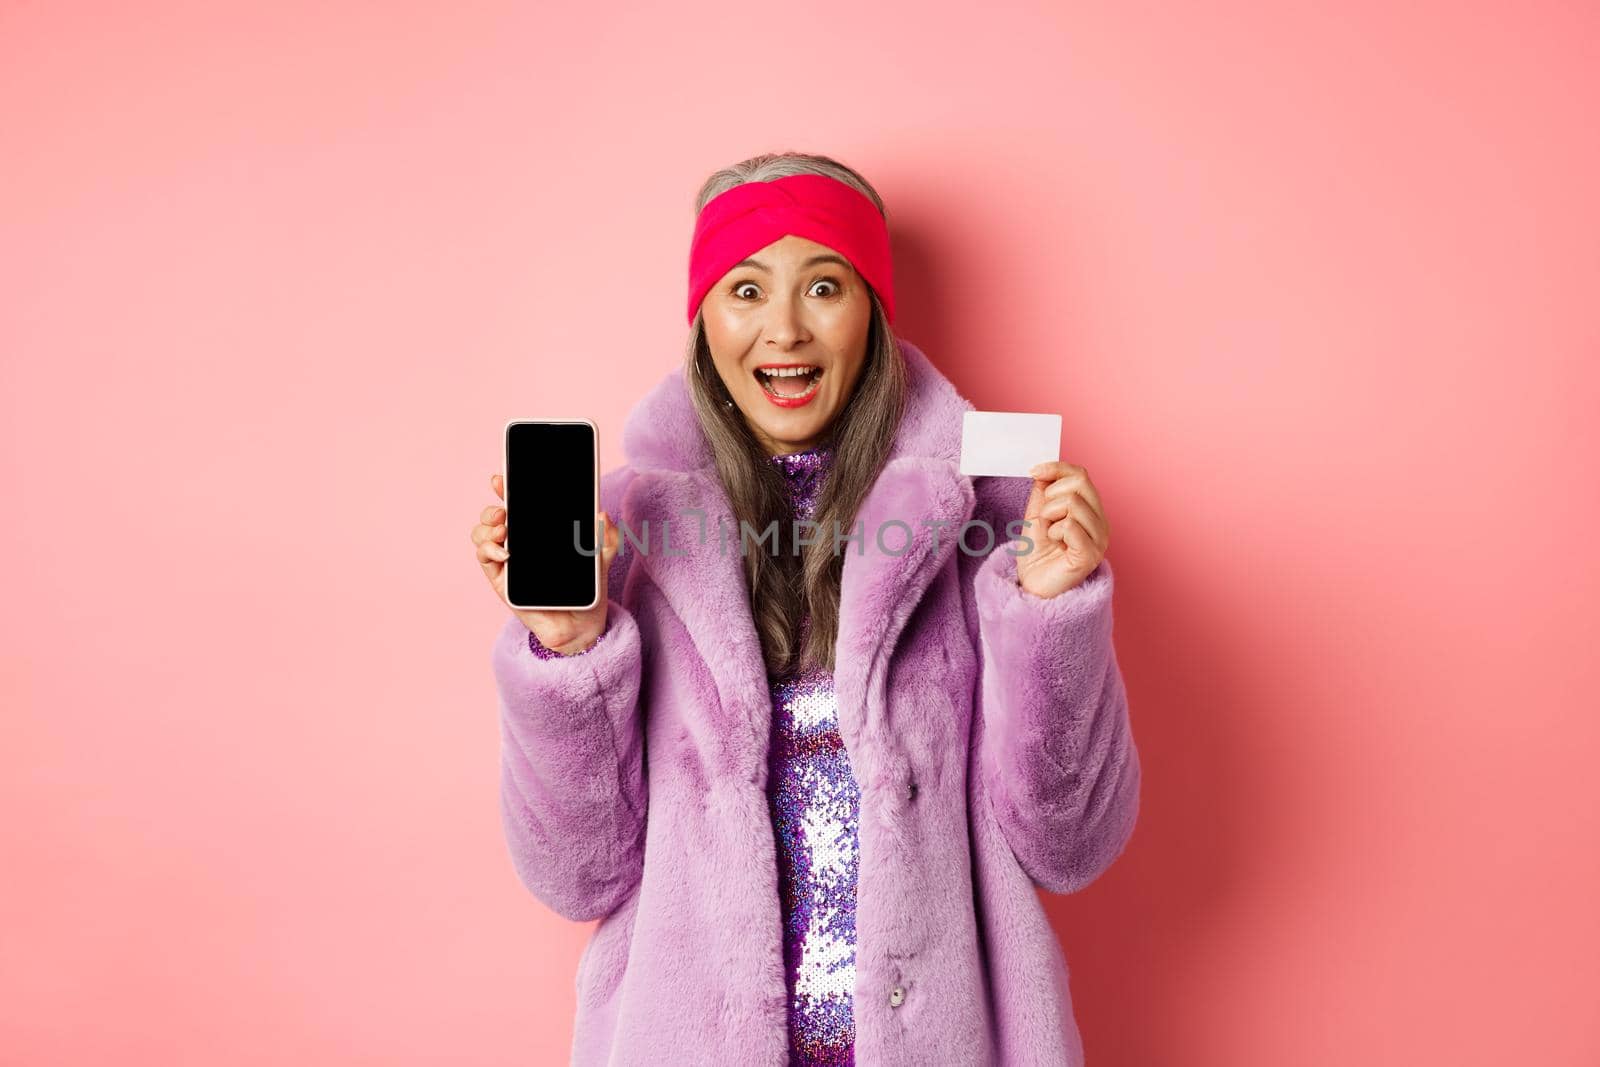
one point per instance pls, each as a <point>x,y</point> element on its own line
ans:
<point>634,775</point>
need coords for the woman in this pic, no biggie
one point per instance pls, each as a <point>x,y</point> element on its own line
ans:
<point>809,793</point>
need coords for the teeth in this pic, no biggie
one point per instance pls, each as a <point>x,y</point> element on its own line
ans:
<point>768,380</point>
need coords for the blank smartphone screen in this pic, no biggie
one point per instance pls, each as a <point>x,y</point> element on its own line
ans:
<point>550,515</point>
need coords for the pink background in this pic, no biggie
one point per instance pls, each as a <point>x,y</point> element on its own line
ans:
<point>1313,285</point>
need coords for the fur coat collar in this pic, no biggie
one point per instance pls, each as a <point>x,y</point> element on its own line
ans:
<point>920,485</point>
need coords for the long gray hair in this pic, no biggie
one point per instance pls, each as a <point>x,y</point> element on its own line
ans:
<point>786,584</point>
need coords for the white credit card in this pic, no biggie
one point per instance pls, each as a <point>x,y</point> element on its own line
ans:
<point>1008,442</point>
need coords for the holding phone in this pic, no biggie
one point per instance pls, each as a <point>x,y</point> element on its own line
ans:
<point>552,498</point>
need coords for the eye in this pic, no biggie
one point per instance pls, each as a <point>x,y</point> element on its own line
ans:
<point>828,281</point>
<point>743,285</point>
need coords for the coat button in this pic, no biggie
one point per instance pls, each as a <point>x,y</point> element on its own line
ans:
<point>897,997</point>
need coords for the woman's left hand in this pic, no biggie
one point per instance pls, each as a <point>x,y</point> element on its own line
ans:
<point>1068,527</point>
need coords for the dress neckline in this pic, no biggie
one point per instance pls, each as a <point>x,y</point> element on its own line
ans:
<point>804,471</point>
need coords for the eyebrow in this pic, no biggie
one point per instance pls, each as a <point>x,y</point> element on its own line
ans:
<point>813,261</point>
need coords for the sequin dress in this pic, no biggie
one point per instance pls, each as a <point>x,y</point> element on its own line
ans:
<point>815,806</point>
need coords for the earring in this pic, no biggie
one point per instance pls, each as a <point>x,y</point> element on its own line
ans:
<point>727,403</point>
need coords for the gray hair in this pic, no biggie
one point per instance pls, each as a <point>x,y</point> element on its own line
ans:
<point>792,581</point>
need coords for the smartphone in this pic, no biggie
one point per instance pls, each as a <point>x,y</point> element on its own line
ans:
<point>552,501</point>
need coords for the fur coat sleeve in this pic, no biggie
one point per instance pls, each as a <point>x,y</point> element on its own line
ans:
<point>1059,765</point>
<point>572,782</point>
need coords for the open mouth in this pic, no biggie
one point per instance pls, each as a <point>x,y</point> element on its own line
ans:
<point>789,383</point>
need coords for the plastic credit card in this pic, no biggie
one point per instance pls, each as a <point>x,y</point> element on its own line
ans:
<point>1008,443</point>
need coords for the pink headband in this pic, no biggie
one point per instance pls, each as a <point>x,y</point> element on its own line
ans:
<point>751,216</point>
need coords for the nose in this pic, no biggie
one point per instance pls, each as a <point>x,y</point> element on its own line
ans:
<point>785,325</point>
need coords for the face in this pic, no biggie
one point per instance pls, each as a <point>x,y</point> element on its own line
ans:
<point>793,304</point>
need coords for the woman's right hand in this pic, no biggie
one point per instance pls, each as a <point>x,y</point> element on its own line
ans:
<point>567,632</point>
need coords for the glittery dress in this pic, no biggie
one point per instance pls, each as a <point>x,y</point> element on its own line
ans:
<point>815,805</point>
